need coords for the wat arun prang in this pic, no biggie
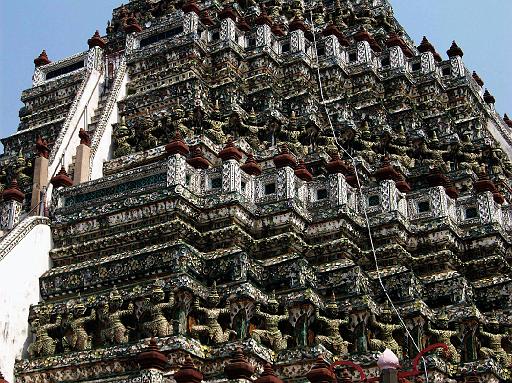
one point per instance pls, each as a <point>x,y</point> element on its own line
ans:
<point>217,199</point>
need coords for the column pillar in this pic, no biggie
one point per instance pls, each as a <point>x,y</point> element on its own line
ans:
<point>40,179</point>
<point>82,159</point>
<point>10,209</point>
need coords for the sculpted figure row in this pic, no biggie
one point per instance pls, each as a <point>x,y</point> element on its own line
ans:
<point>301,324</point>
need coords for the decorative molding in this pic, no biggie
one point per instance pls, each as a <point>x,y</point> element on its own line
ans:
<point>15,236</point>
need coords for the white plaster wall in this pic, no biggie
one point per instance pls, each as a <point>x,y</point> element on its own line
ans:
<point>104,151</point>
<point>20,270</point>
<point>491,126</point>
<point>87,103</point>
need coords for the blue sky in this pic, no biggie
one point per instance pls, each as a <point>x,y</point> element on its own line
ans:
<point>62,27</point>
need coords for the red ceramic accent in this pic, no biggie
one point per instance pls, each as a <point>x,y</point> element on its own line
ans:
<point>402,185</point>
<point>152,357</point>
<point>243,26</point>
<point>284,158</point>
<point>489,98</point>
<point>188,373</point>
<point>363,35</point>
<point>332,30</point>
<point>426,46</point>
<point>239,367</point>
<point>2,380</point>
<point>454,50</point>
<point>177,146</point>
<point>336,165</point>
<point>484,184</point>
<point>85,139</point>
<point>263,18</point>
<point>277,29</point>
<point>477,78</point>
<point>507,120</point>
<point>498,197</point>
<point>297,24</point>
<point>230,152</point>
<point>197,160</point>
<point>321,373</point>
<point>450,189</point>
<point>396,41</point>
<point>13,192</point>
<point>436,178</point>
<point>42,149</point>
<point>302,172</point>
<point>62,179</point>
<point>132,25</point>
<point>191,6</point>
<point>351,177</point>
<point>206,19</point>
<point>42,59</point>
<point>251,166</point>
<point>96,41</point>
<point>268,375</point>
<point>386,171</point>
<point>227,12</point>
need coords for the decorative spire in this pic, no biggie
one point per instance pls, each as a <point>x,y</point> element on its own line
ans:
<point>489,98</point>
<point>191,6</point>
<point>239,367</point>
<point>42,59</point>
<point>336,165</point>
<point>242,25</point>
<point>332,30</point>
<point>263,18</point>
<point>394,40</point>
<point>477,78</point>
<point>96,41</point>
<point>227,13</point>
<point>320,372</point>
<point>284,158</point>
<point>450,189</point>
<point>206,19</point>
<point>364,35</point>
<point>152,358</point>
<point>177,146</point>
<point>386,171</point>
<point>454,50</point>
<point>268,375</point>
<point>426,46</point>
<point>297,23</point>
<point>251,166</point>
<point>230,151</point>
<point>436,177</point>
<point>188,373</point>
<point>132,25</point>
<point>302,172</point>
<point>13,192</point>
<point>197,159</point>
<point>85,139</point>
<point>42,149</point>
<point>62,179</point>
<point>507,120</point>
<point>277,29</point>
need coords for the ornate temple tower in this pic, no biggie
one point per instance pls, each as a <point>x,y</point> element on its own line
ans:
<point>218,191</point>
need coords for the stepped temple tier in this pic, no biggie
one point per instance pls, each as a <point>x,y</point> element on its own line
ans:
<point>259,191</point>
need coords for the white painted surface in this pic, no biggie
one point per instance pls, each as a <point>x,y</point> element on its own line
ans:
<point>20,270</point>
<point>87,103</point>
<point>104,151</point>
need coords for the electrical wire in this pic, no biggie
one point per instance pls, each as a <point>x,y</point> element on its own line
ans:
<point>354,163</point>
